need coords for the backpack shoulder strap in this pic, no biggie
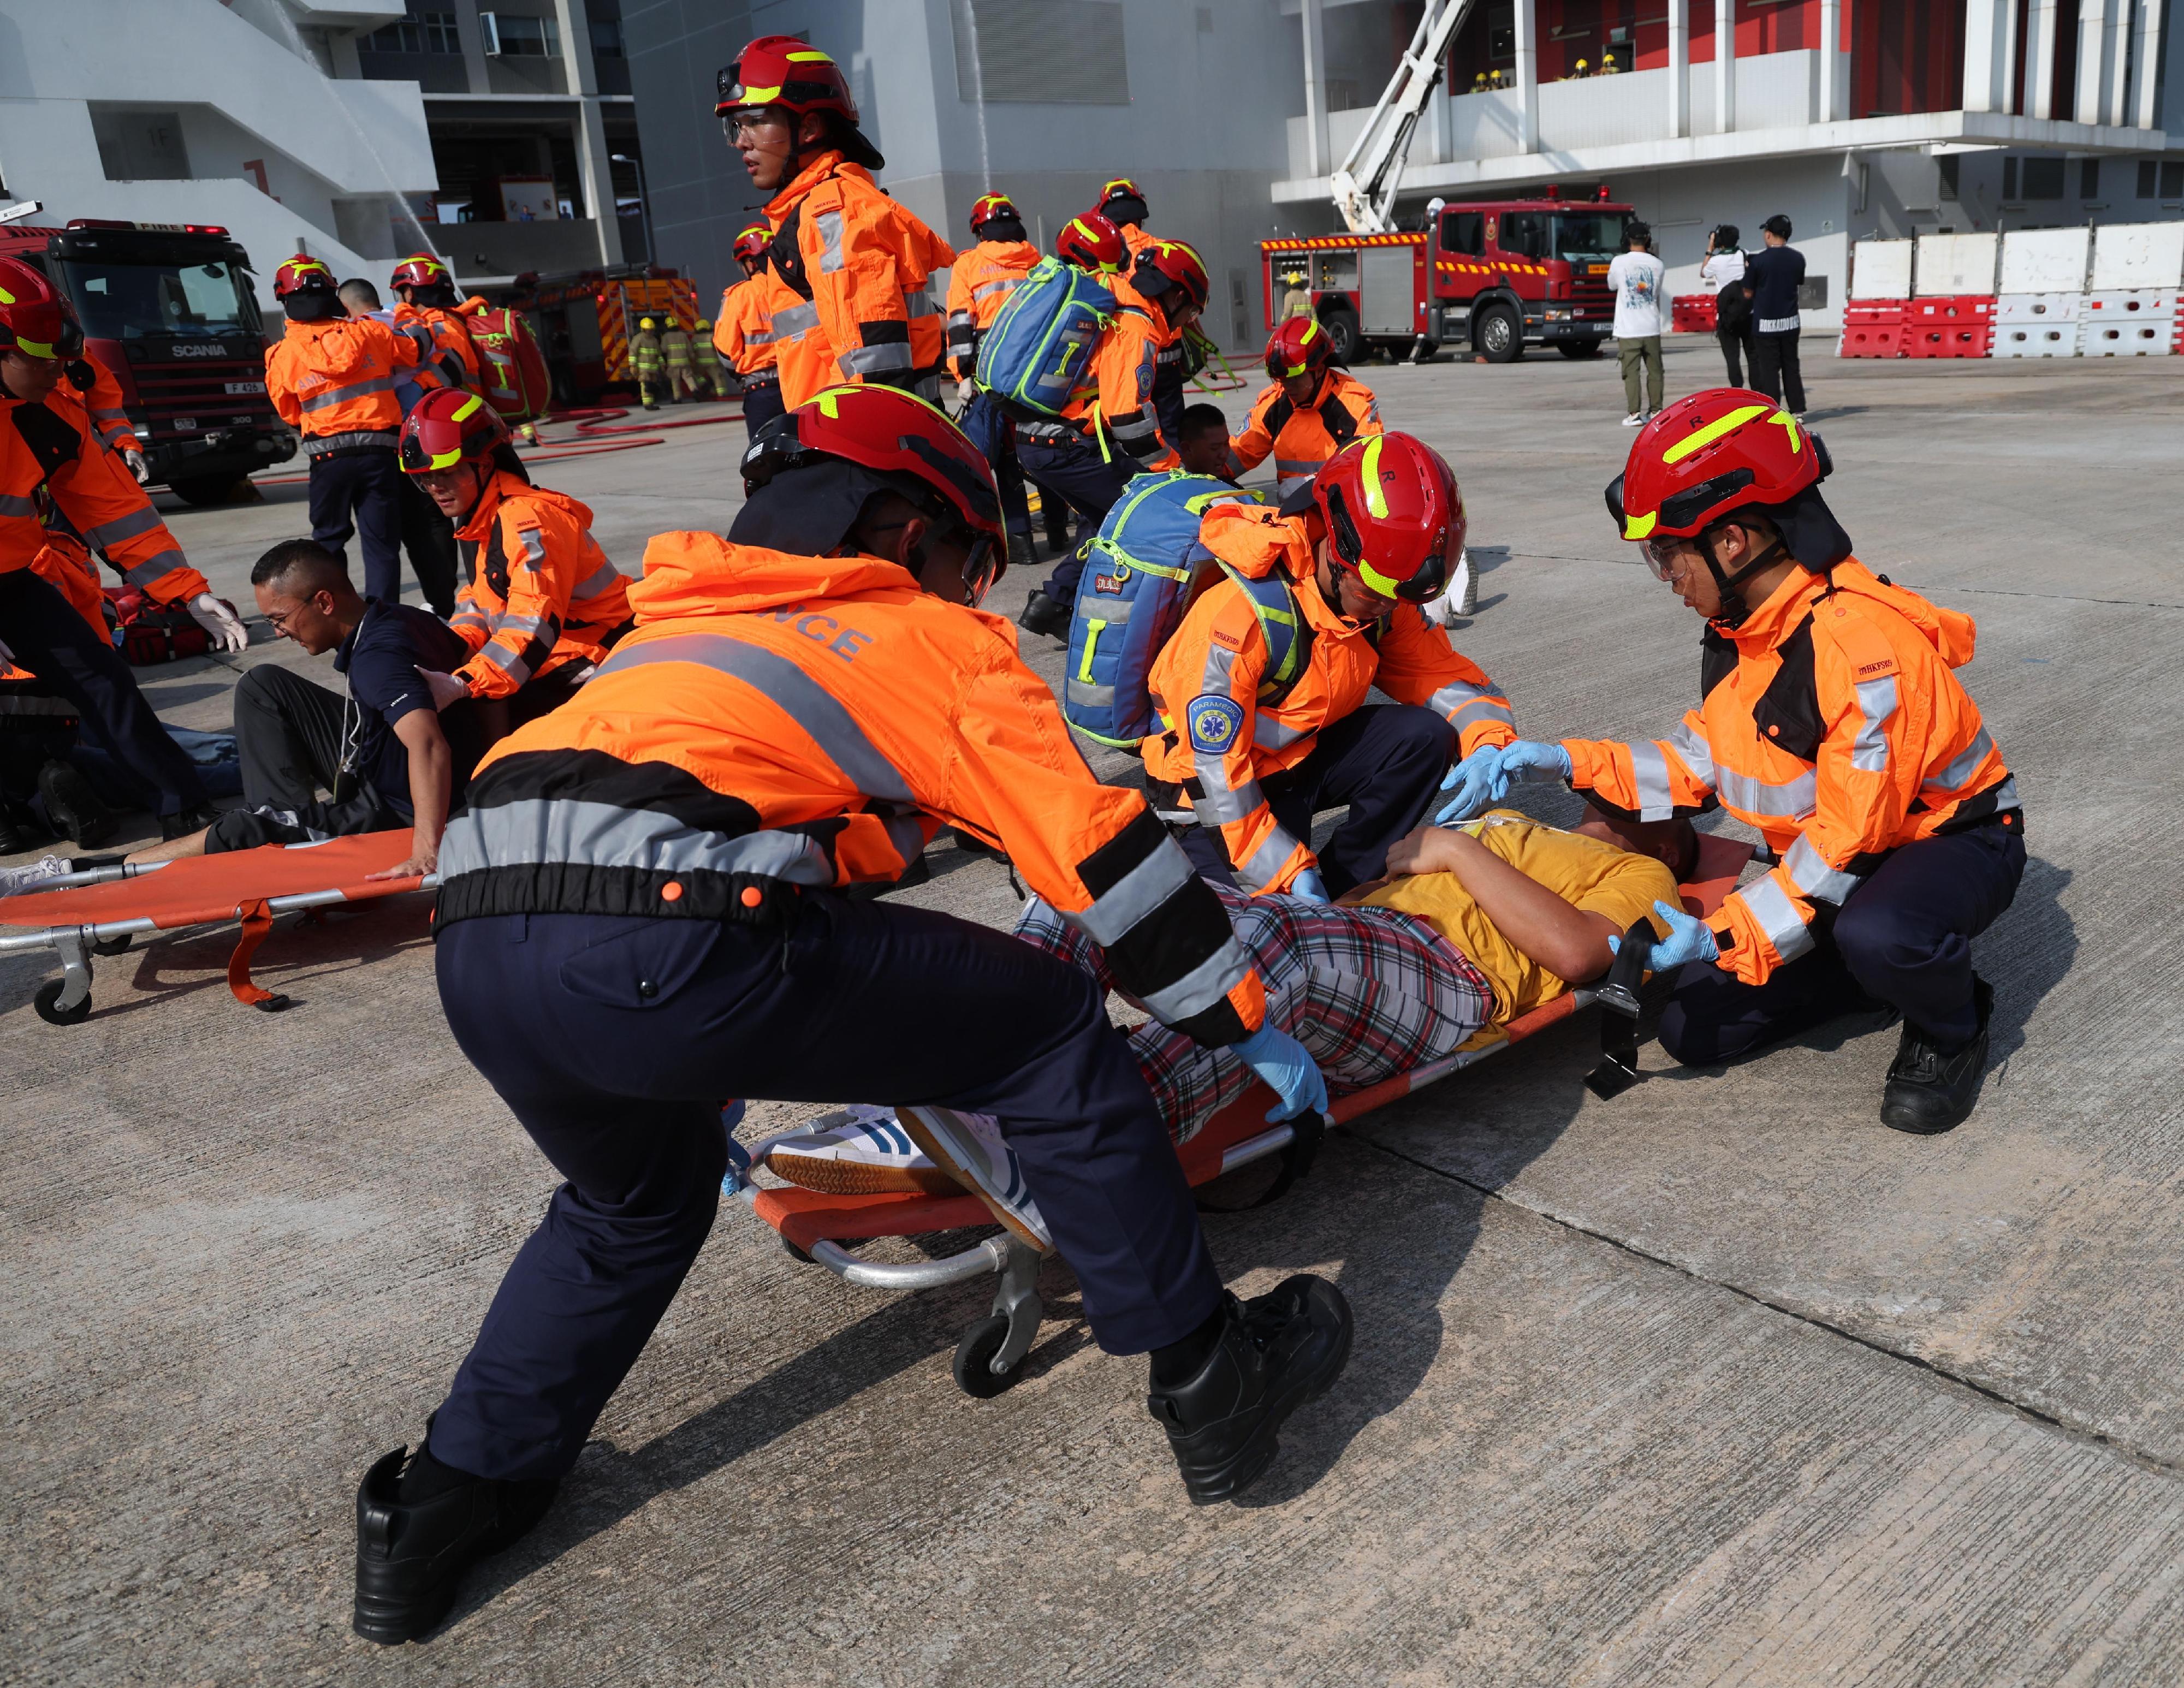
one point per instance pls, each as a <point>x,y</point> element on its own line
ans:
<point>787,259</point>
<point>1287,634</point>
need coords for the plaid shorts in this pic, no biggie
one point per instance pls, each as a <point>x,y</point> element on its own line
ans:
<point>1371,992</point>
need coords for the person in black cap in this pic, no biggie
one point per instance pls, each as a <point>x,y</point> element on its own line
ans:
<point>1771,280</point>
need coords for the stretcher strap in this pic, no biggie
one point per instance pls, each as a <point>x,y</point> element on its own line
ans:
<point>257,922</point>
<point>1307,1132</point>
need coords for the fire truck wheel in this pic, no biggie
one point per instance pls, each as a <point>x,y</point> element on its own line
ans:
<point>1580,348</point>
<point>1498,334</point>
<point>203,491</point>
<point>1344,336</point>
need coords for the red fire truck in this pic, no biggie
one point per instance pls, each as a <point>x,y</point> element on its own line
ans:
<point>169,309</point>
<point>584,321</point>
<point>1490,275</point>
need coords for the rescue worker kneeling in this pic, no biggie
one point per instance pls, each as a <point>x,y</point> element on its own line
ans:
<point>1308,412</point>
<point>1263,687</point>
<point>1830,720</point>
<point>542,605</point>
<point>654,869</point>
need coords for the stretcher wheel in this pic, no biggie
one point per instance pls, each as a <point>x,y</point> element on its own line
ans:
<point>112,946</point>
<point>49,994</point>
<point>974,1359</point>
<point>794,1252</point>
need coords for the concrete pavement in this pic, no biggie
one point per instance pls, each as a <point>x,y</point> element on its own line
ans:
<point>1720,1382</point>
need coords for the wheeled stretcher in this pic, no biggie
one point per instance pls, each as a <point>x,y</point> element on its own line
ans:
<point>100,911</point>
<point>821,1228</point>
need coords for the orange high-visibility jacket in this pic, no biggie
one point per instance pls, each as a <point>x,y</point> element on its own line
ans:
<point>334,381</point>
<point>1831,723</point>
<point>541,594</point>
<point>777,722</point>
<point>978,286</point>
<point>1302,438</point>
<point>742,331</point>
<point>1228,723</point>
<point>443,339</point>
<point>64,563</point>
<point>845,283</point>
<point>1114,407</point>
<point>52,446</point>
<point>109,421</point>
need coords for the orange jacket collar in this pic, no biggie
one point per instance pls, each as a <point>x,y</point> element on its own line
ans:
<point>826,164</point>
<point>702,574</point>
<point>504,486</point>
<point>1953,633</point>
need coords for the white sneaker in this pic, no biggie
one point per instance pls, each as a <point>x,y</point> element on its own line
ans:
<point>861,1151</point>
<point>1636,419</point>
<point>971,1146</point>
<point>29,876</point>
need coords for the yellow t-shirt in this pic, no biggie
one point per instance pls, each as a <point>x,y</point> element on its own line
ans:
<point>1595,877</point>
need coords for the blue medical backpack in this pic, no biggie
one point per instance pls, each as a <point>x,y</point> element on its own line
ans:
<point>1139,572</point>
<point>1038,350</point>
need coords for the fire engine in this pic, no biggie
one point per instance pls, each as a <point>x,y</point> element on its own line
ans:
<point>584,321</point>
<point>169,309</point>
<point>1489,276</point>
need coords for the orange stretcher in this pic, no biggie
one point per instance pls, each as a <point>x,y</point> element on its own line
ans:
<point>100,912</point>
<point>815,1227</point>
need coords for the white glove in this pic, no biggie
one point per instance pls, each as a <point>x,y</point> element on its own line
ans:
<point>964,389</point>
<point>218,620</point>
<point>137,466</point>
<point>444,687</point>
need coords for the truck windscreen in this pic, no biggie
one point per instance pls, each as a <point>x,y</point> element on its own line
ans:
<point>1591,235</point>
<point>123,301</point>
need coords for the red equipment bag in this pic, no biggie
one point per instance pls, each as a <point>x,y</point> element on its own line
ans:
<point>150,634</point>
<point>511,369</point>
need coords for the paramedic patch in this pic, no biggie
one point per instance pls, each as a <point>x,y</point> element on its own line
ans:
<point>1215,722</point>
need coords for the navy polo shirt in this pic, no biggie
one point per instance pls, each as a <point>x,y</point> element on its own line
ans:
<point>380,658</point>
<point>1773,274</point>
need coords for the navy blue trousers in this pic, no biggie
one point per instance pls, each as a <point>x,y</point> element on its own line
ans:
<point>1073,470</point>
<point>1904,938</point>
<point>761,404</point>
<point>614,1040</point>
<point>986,426</point>
<point>1384,761</point>
<point>360,492</point>
<point>56,645</point>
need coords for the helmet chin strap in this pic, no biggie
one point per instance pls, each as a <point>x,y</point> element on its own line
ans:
<point>1734,609</point>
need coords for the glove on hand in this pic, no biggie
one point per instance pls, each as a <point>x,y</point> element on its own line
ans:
<point>1689,939</point>
<point>1288,1070</point>
<point>218,621</point>
<point>1309,886</point>
<point>1475,782</point>
<point>1529,763</point>
<point>444,687</point>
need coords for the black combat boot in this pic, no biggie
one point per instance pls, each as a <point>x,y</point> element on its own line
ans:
<point>1044,615</point>
<point>420,1525</point>
<point>73,806</point>
<point>1932,1087</point>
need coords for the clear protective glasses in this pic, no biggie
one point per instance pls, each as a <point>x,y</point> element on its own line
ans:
<point>982,567</point>
<point>1661,555</point>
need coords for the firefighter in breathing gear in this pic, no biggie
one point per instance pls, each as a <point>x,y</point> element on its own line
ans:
<point>427,310</point>
<point>332,377</point>
<point>658,868</point>
<point>1262,689</point>
<point>977,287</point>
<point>1123,203</point>
<point>705,360</point>
<point>647,363</point>
<point>1107,432</point>
<point>848,267</point>
<point>542,605</point>
<point>1830,720</point>
<point>745,332</point>
<point>51,449</point>
<point>1311,412</point>
<point>675,346</point>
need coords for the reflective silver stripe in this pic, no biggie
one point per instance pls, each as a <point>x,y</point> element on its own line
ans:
<point>526,625</point>
<point>153,567</point>
<point>917,302</point>
<point>830,238</point>
<point>1222,802</point>
<point>600,579</point>
<point>12,505</point>
<point>1777,915</point>
<point>1791,801</point>
<point>1487,709</point>
<point>123,527</point>
<point>468,616</point>
<point>758,337</point>
<point>1463,703</point>
<point>790,323</point>
<point>1137,428</point>
<point>868,360</point>
<point>2005,794</point>
<point>1964,766</point>
<point>319,445</point>
<point>1809,873</point>
<point>801,698</point>
<point>604,835</point>
<point>1877,702</point>
<point>1136,894</point>
<point>1693,752</point>
<point>1266,861</point>
<point>1649,773</point>
<point>1287,468</point>
<point>514,666</point>
<point>357,389</point>
<point>1269,733</point>
<point>962,319</point>
<point>1201,988</point>
<point>1086,695</point>
<point>534,547</point>
<point>986,290</point>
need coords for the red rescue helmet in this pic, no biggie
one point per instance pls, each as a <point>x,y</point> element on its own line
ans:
<point>1393,514</point>
<point>990,206</point>
<point>1176,266</point>
<point>1132,208</point>
<point>752,243</point>
<point>420,270</point>
<point>35,319</point>
<point>902,444</point>
<point>1092,242</point>
<point>302,274</point>
<point>1300,346</point>
<point>447,427</point>
<point>794,77</point>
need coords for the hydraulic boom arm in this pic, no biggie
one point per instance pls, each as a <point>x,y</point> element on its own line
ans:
<point>1365,182</point>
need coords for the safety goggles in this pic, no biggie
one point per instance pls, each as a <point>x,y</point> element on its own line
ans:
<point>981,569</point>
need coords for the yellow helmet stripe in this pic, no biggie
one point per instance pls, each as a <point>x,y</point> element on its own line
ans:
<point>1638,526</point>
<point>1375,499</point>
<point>445,459</point>
<point>465,410</point>
<point>1311,333</point>
<point>6,297</point>
<point>1699,438</point>
<point>1790,423</point>
<point>1379,583</point>
<point>35,349</point>
<point>761,96</point>
<point>813,58</point>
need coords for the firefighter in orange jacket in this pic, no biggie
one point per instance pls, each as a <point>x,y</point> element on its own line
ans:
<point>49,449</point>
<point>1108,433</point>
<point>977,287</point>
<point>1311,411</point>
<point>1263,692</point>
<point>847,271</point>
<point>110,418</point>
<point>427,311</point>
<point>743,332</point>
<point>1123,203</point>
<point>542,605</point>
<point>657,869</point>
<point>331,377</point>
<point>1830,720</point>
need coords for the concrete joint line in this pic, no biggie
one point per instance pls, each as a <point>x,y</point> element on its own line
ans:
<point>2066,598</point>
<point>2142,1457</point>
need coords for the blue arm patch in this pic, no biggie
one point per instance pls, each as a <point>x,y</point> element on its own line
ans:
<point>1214,721</point>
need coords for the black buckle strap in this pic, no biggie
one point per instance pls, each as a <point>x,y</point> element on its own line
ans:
<point>1618,1020</point>
<point>1307,1131</point>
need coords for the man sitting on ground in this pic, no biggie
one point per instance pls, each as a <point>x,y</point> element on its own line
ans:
<point>1475,927</point>
<point>386,756</point>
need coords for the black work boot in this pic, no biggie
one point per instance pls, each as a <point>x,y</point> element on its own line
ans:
<point>73,806</point>
<point>1274,1353</point>
<point>1932,1088</point>
<point>411,1554</point>
<point>183,822</point>
<point>1044,615</point>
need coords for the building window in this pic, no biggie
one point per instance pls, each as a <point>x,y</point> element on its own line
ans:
<point>2089,178</point>
<point>418,32</point>
<point>2146,167</point>
<point>2155,177</point>
<point>2043,178</point>
<point>2009,178</point>
<point>2172,181</point>
<point>1040,51</point>
<point>1950,177</point>
<point>606,38</point>
<point>515,35</point>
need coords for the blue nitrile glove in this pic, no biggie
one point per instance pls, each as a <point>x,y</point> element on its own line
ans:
<point>1690,940</point>
<point>1474,781</point>
<point>1289,1069</point>
<point>1309,886</point>
<point>1529,762</point>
